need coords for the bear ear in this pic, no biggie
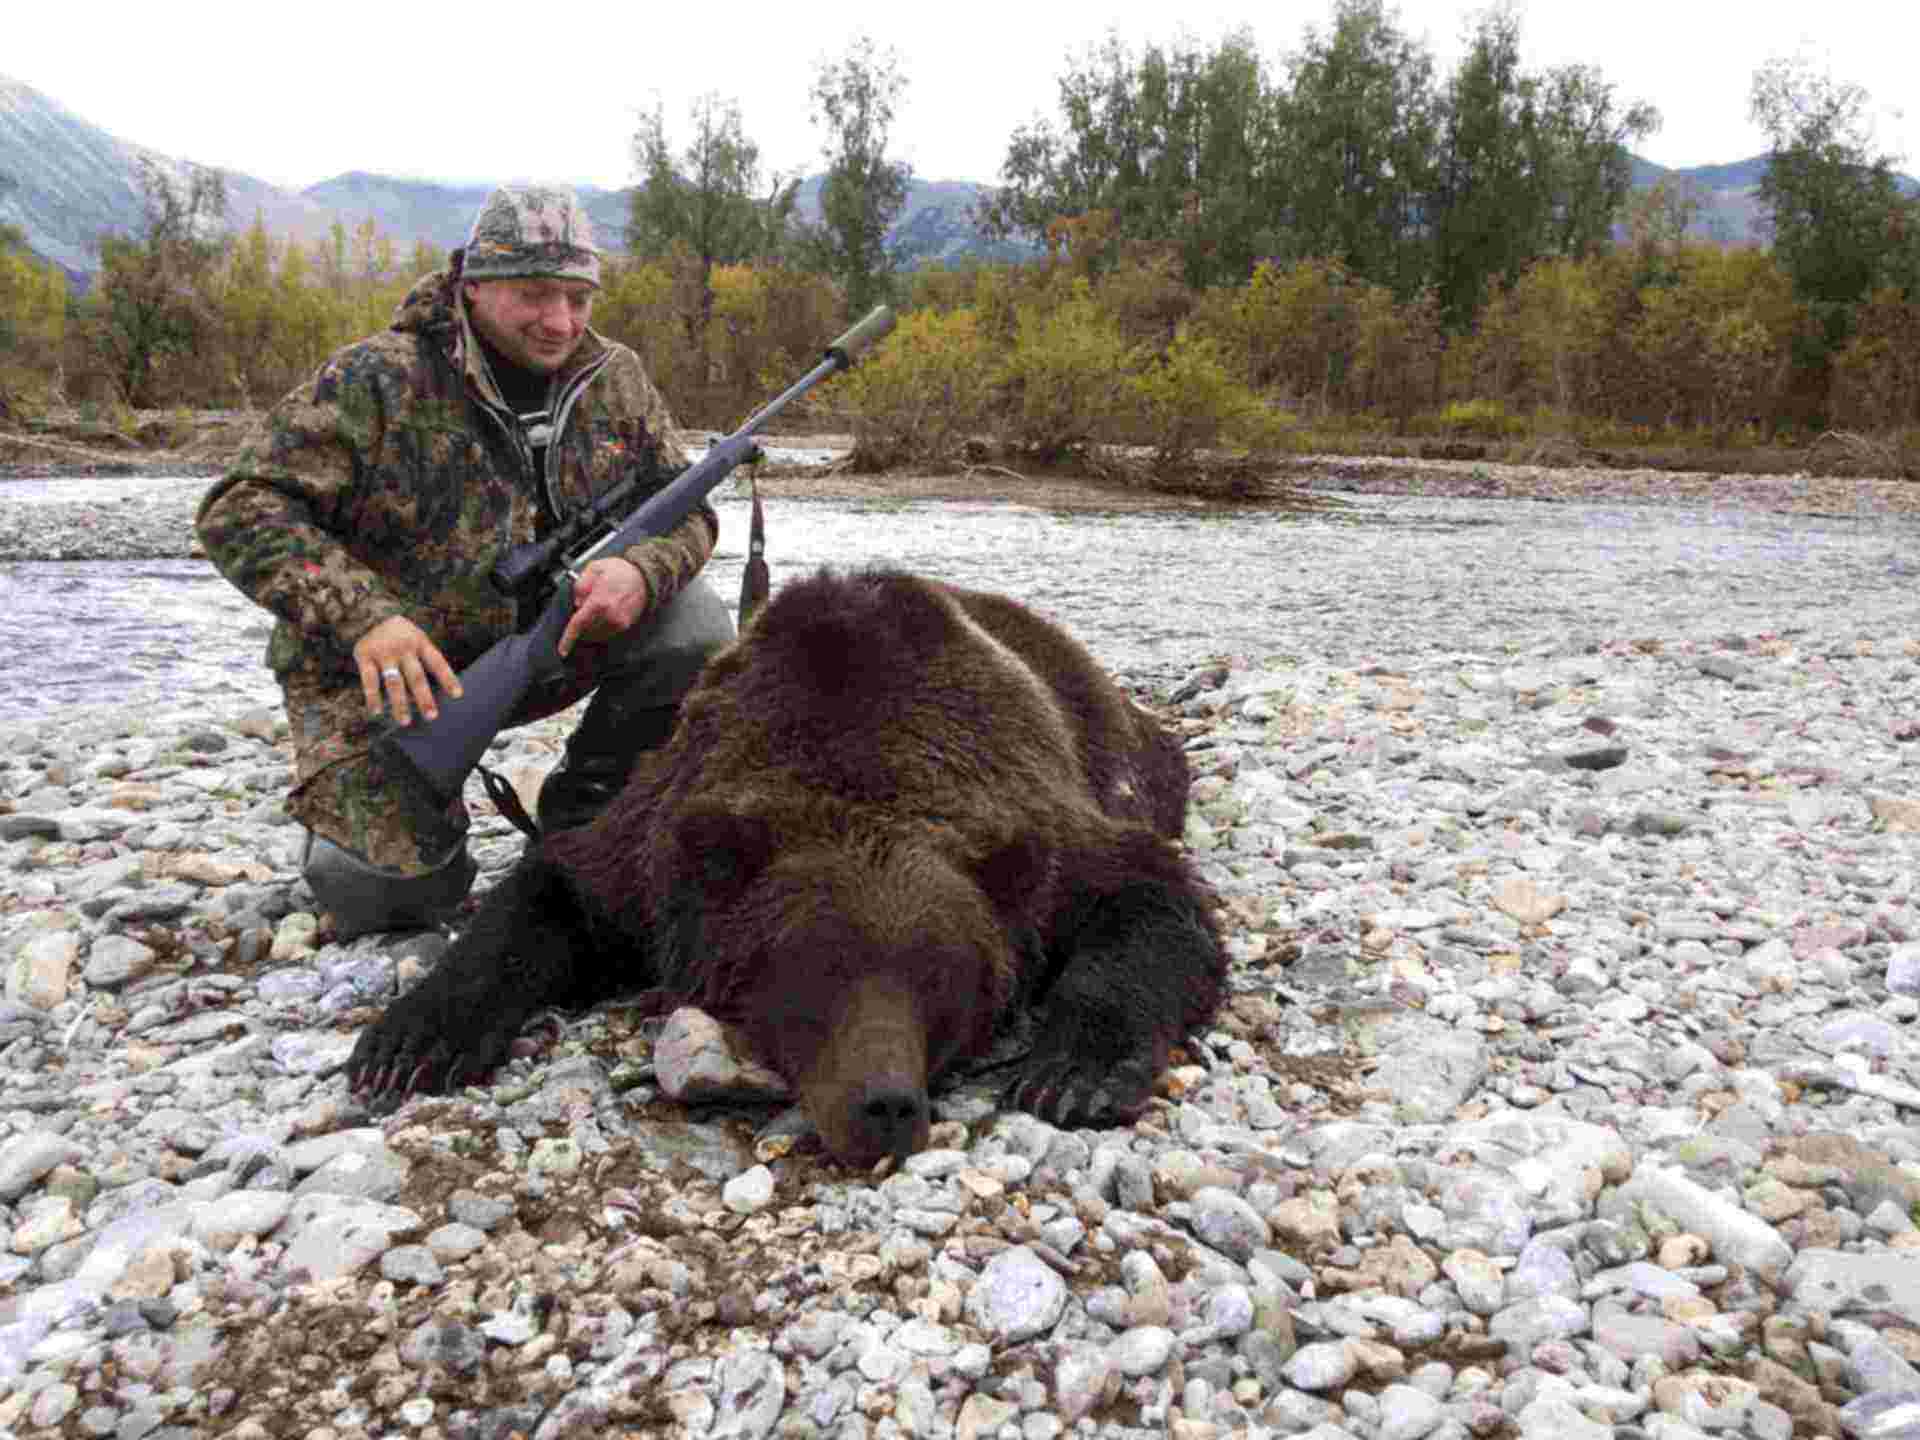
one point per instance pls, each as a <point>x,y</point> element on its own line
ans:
<point>1010,872</point>
<point>725,849</point>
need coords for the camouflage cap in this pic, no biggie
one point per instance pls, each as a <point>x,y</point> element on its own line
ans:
<point>531,230</point>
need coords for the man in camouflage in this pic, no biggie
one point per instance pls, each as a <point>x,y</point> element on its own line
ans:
<point>368,510</point>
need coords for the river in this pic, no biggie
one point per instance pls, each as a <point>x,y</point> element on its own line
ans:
<point>1151,590</point>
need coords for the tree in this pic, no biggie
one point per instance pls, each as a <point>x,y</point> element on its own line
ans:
<point>1172,145</point>
<point>149,303</point>
<point>1359,157</point>
<point>1658,221</point>
<point>1530,166</point>
<point>244,299</point>
<point>1357,130</point>
<point>1586,168</point>
<point>1840,226</point>
<point>33,304</point>
<point>710,200</point>
<point>854,99</point>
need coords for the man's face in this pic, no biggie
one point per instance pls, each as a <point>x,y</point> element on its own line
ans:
<point>534,323</point>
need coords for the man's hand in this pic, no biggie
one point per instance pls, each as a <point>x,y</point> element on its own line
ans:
<point>400,665</point>
<point>607,598</point>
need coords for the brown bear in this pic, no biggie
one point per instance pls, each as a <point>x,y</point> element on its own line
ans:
<point>895,814</point>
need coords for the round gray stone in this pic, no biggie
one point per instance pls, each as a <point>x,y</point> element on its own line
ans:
<point>1017,1296</point>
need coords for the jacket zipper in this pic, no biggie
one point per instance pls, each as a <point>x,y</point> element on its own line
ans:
<point>561,411</point>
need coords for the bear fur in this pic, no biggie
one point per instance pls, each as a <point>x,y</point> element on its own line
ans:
<point>894,815</point>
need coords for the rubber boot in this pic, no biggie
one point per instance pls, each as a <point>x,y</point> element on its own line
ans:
<point>363,897</point>
<point>601,754</point>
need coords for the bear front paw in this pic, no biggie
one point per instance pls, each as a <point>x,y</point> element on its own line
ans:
<point>1069,1092</point>
<point>416,1049</point>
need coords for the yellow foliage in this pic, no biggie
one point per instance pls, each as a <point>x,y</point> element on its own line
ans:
<point>1480,419</point>
<point>637,306</point>
<point>1396,353</point>
<point>1715,344</point>
<point>1147,297</point>
<point>920,395</point>
<point>1876,378</point>
<point>943,287</point>
<point>1100,342</point>
<point>766,322</point>
<point>1296,329</point>
<point>770,323</point>
<point>33,300</point>
<point>1065,382</point>
<point>1190,399</point>
<point>1558,312</point>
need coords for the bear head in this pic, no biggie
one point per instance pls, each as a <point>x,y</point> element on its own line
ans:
<point>859,965</point>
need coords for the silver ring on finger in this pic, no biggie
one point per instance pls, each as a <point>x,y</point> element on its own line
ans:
<point>392,672</point>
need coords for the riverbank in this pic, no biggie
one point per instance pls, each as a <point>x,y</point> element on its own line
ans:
<point>1841,475</point>
<point>1566,852</point>
<point>143,521</point>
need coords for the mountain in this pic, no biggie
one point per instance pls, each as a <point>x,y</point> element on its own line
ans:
<point>440,214</point>
<point>1728,196</point>
<point>932,226</point>
<point>63,181</point>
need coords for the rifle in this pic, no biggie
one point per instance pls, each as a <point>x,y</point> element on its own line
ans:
<point>443,751</point>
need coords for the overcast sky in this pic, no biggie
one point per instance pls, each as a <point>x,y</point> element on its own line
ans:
<point>481,91</point>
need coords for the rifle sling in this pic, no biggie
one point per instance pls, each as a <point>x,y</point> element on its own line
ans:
<point>754,580</point>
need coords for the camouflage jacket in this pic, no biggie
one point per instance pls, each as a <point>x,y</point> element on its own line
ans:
<point>392,483</point>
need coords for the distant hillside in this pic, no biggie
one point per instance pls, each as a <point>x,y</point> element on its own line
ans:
<point>441,214</point>
<point>1729,196</point>
<point>933,226</point>
<point>71,181</point>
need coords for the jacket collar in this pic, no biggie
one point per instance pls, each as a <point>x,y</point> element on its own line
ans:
<point>436,307</point>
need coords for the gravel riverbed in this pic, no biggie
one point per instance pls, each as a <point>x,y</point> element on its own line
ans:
<point>1568,1086</point>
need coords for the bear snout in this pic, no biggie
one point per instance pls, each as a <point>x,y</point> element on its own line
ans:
<point>887,1118</point>
<point>867,1091</point>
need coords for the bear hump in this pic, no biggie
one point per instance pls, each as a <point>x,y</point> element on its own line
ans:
<point>850,633</point>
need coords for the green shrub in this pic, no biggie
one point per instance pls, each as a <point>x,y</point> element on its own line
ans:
<point>942,286</point>
<point>1876,378</point>
<point>111,416</point>
<point>920,394</point>
<point>1191,400</point>
<point>1146,296</point>
<point>1296,330</point>
<point>1396,353</point>
<point>643,304</point>
<point>770,323</point>
<point>1066,380</point>
<point>1480,419</point>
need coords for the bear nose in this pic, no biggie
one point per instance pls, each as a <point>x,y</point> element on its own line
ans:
<point>890,1119</point>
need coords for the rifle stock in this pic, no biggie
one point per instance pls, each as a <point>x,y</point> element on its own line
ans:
<point>444,751</point>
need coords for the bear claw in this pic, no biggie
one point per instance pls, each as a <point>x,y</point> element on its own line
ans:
<point>1061,1095</point>
<point>394,1062</point>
